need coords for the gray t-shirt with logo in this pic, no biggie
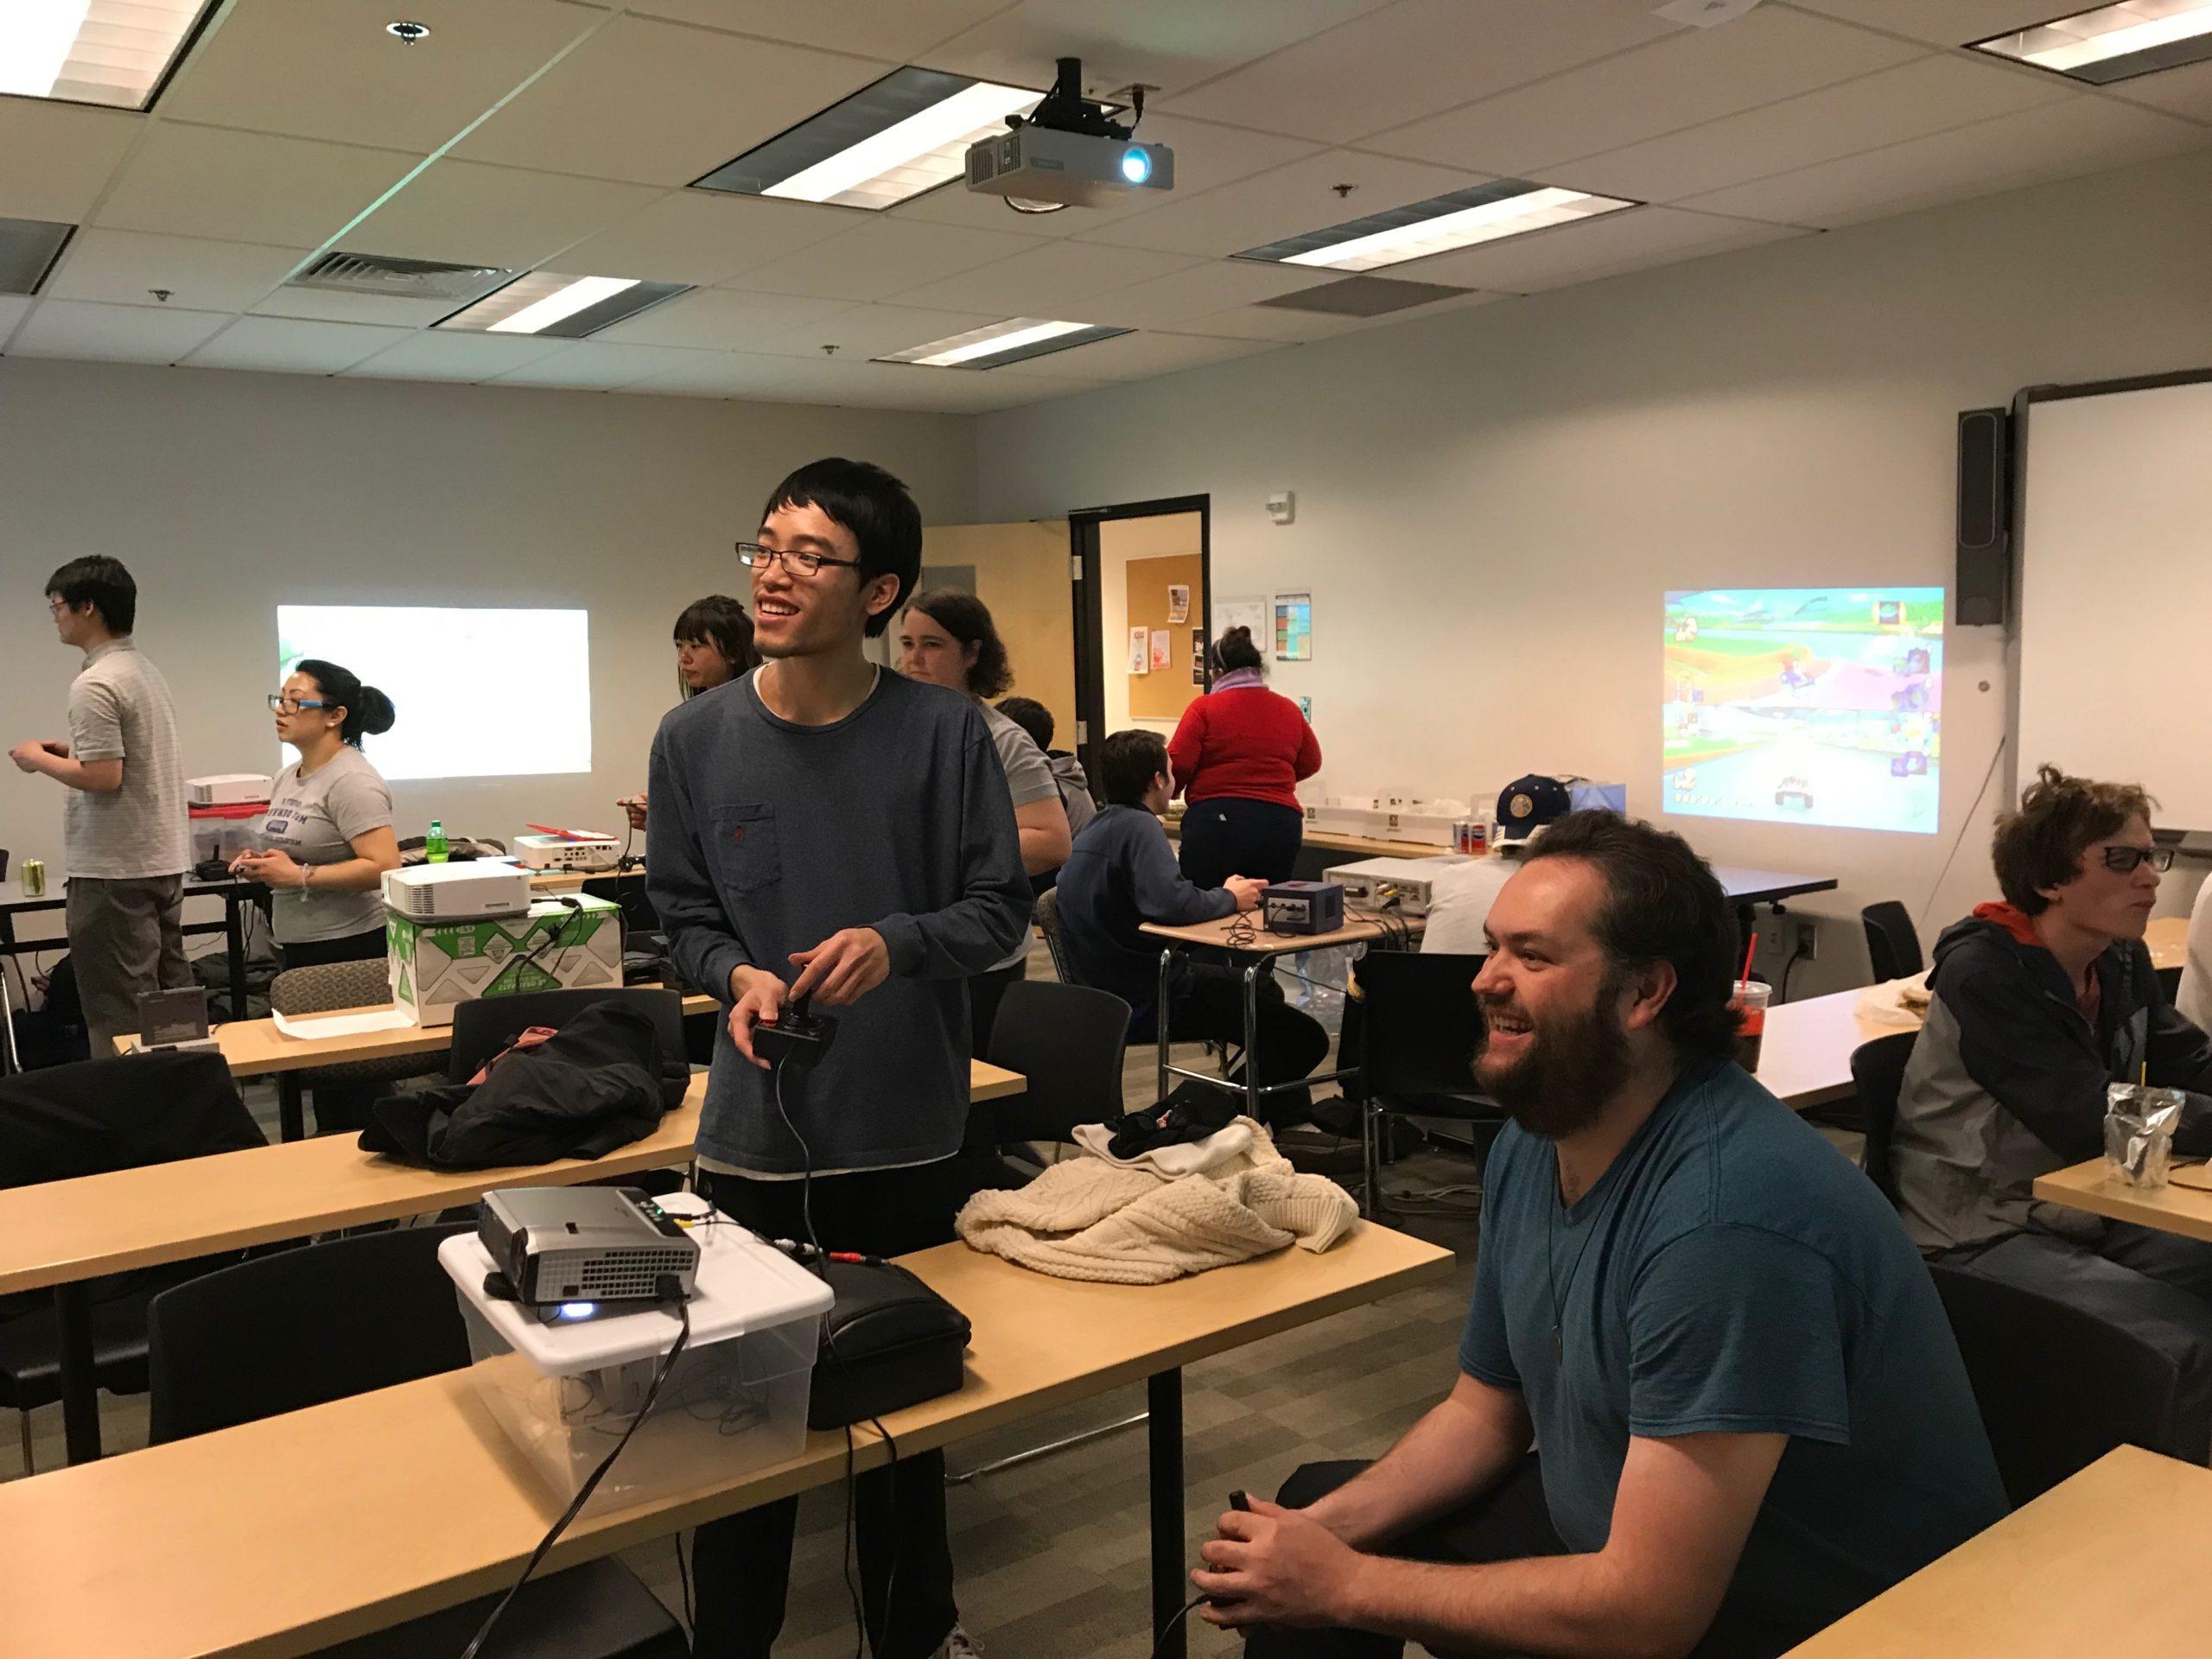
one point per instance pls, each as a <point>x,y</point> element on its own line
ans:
<point>1028,778</point>
<point>314,819</point>
<point>119,709</point>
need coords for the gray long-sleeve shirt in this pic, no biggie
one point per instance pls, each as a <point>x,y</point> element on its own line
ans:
<point>766,837</point>
<point>1120,875</point>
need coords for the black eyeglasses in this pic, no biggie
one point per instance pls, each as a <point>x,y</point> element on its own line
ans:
<point>284,705</point>
<point>2123,860</point>
<point>800,562</point>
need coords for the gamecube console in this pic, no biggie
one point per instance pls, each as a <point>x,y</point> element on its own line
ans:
<point>1303,907</point>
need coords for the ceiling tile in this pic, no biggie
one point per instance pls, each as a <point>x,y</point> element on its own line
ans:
<point>328,70</point>
<point>1196,291</point>
<point>1577,252</point>
<point>878,257</point>
<point>334,305</point>
<point>898,29</point>
<point>60,156</point>
<point>1132,356</point>
<point>2084,134</point>
<point>705,236</point>
<point>283,346</point>
<point>469,214</point>
<point>718,319</point>
<point>12,309</point>
<point>1170,44</point>
<point>122,266</point>
<point>244,187</point>
<point>1695,75</point>
<point>1946,22</point>
<point>120,334</point>
<point>595,366</point>
<point>1414,58</point>
<point>867,331</point>
<point>454,354</point>
<point>720,374</point>
<point>1049,281</point>
<point>1916,99</point>
<point>1271,322</point>
<point>1283,202</point>
<point>2186,91</point>
<point>688,99</point>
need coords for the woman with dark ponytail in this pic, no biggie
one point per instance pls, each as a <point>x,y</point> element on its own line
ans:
<point>327,841</point>
<point>1239,755</point>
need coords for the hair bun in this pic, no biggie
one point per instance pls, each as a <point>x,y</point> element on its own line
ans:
<point>376,713</point>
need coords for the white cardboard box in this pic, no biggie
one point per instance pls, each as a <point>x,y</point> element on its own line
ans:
<point>573,941</point>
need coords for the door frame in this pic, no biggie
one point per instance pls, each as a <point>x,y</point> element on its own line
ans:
<point>1084,572</point>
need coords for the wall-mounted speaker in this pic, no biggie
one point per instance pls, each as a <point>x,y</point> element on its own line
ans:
<point>1982,594</point>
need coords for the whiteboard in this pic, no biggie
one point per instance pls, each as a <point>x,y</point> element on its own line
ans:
<point>2116,595</point>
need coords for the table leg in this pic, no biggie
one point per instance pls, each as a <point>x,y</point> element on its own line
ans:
<point>1159,1021</point>
<point>234,950</point>
<point>1170,1587</point>
<point>290,1122</point>
<point>81,1389</point>
<point>1252,1039</point>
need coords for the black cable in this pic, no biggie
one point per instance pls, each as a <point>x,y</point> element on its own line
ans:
<point>683,1577</point>
<point>670,1290</point>
<point>1787,969</point>
<point>514,964</point>
<point>1181,1613</point>
<point>1965,824</point>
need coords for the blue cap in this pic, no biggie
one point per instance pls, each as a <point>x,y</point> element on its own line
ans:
<point>1527,804</point>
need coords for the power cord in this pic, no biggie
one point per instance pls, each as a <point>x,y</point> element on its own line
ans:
<point>1965,824</point>
<point>515,964</point>
<point>1181,1614</point>
<point>667,1289</point>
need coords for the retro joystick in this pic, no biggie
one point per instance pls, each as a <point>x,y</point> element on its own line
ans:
<point>797,1038</point>
<point>1236,1501</point>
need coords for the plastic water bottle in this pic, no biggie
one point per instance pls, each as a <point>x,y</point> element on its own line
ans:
<point>433,846</point>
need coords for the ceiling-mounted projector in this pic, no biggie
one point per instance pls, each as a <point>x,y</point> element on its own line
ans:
<point>1068,153</point>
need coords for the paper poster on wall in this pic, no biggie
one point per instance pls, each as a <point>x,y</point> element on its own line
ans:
<point>1140,651</point>
<point>1241,613</point>
<point>1163,648</point>
<point>1178,603</point>
<point>1293,628</point>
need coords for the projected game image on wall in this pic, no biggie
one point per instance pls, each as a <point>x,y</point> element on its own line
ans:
<point>481,692</point>
<point>1805,705</point>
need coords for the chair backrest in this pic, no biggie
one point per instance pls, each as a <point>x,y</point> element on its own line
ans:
<point>1048,924</point>
<point>303,1327</point>
<point>1067,1041</point>
<point>327,985</point>
<point>638,915</point>
<point>2060,1386</point>
<point>92,1116</point>
<point>1878,1074</point>
<point>1422,1024</point>
<point>1892,942</point>
<point>485,1024</point>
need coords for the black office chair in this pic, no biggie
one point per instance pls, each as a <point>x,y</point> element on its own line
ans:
<point>484,1025</point>
<point>2058,1387</point>
<point>308,1326</point>
<point>1048,922</point>
<point>1067,1040</point>
<point>89,1118</point>
<point>1892,942</point>
<point>1421,1024</point>
<point>1877,1077</point>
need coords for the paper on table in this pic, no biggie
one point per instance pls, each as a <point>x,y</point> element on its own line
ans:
<point>308,1028</point>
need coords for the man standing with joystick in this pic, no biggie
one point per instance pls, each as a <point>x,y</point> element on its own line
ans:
<point>830,833</point>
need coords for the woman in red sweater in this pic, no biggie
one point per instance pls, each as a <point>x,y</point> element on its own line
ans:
<point>1239,754</point>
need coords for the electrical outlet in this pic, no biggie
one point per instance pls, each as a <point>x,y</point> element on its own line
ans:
<point>1808,941</point>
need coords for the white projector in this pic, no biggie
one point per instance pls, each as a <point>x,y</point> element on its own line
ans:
<point>1400,884</point>
<point>457,893</point>
<point>586,853</point>
<point>1076,170</point>
<point>228,789</point>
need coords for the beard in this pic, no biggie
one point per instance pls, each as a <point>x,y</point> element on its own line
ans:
<point>1573,1065</point>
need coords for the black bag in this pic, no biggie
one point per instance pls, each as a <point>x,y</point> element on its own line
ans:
<point>599,1083</point>
<point>889,1341</point>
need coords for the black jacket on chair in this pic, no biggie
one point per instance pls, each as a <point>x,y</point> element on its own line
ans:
<point>601,1082</point>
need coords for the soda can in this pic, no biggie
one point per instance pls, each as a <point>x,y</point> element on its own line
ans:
<point>33,878</point>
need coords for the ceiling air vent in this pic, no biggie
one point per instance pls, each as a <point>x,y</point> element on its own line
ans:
<point>1362,296</point>
<point>399,279</point>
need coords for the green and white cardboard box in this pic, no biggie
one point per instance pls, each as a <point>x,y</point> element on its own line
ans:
<point>434,965</point>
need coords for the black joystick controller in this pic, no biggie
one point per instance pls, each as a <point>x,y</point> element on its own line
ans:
<point>1236,1501</point>
<point>797,1038</point>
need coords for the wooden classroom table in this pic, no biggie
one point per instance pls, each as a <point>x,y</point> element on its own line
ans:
<point>2185,1210</point>
<point>2098,1565</point>
<point>59,1235</point>
<point>403,1501</point>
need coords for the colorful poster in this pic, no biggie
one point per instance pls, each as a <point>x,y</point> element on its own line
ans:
<point>1178,603</point>
<point>1293,628</point>
<point>1140,651</point>
<point>1163,648</point>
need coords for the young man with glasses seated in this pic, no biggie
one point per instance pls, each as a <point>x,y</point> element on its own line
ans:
<point>2037,1004</point>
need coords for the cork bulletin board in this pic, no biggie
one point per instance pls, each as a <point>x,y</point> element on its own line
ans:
<point>1164,693</point>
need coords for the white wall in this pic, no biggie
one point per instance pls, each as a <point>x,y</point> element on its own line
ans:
<point>229,493</point>
<point>1490,503</point>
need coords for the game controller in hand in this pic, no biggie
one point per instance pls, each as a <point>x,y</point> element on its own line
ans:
<point>797,1038</point>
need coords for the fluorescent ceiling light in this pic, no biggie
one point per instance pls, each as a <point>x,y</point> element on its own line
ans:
<point>888,142</point>
<point>111,51</point>
<point>1485,214</point>
<point>562,307</point>
<point>1010,341</point>
<point>2113,42</point>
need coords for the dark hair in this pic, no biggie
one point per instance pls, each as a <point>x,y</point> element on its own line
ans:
<point>967,620</point>
<point>720,621</point>
<point>879,511</point>
<point>1127,762</point>
<point>2060,817</point>
<point>1662,904</point>
<point>1032,716</point>
<point>101,583</point>
<point>367,709</point>
<point>1235,650</point>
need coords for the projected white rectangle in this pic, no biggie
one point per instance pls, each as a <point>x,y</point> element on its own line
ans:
<point>478,693</point>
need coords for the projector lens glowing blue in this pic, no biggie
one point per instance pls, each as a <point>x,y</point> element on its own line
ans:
<point>578,1310</point>
<point>1137,166</point>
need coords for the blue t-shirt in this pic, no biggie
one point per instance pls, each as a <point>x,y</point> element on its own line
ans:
<point>1732,1272</point>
